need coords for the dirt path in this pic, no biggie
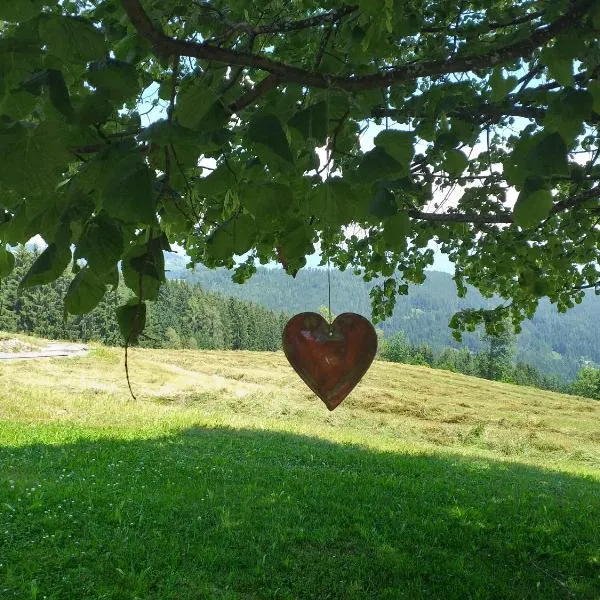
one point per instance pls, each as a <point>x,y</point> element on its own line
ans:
<point>52,350</point>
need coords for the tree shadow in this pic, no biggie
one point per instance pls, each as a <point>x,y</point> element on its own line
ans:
<point>223,513</point>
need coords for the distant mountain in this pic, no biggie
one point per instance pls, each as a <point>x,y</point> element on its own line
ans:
<point>555,343</point>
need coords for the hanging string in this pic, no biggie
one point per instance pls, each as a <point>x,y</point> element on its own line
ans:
<point>387,106</point>
<point>328,158</point>
<point>329,292</point>
<point>328,258</point>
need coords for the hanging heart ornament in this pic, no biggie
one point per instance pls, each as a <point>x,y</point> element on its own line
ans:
<point>330,359</point>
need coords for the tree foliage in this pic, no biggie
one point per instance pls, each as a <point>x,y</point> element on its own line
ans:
<point>483,115</point>
<point>587,383</point>
<point>183,315</point>
<point>477,364</point>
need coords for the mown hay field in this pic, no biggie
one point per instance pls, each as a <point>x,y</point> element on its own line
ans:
<point>227,478</point>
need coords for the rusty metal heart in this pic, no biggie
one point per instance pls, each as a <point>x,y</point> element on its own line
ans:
<point>331,359</point>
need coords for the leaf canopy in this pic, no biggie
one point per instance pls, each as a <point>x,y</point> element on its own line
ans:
<point>126,125</point>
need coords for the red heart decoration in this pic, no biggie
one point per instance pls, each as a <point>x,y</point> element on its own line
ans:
<point>331,359</point>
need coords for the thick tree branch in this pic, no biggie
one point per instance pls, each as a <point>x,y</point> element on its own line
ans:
<point>167,46</point>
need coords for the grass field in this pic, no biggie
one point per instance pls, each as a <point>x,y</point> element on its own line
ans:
<point>228,479</point>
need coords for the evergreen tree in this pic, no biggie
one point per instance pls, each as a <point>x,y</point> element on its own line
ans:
<point>587,383</point>
<point>495,362</point>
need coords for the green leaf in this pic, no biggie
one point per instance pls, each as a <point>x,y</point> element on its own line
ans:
<point>20,10</point>
<point>57,89</point>
<point>338,201</point>
<point>220,244</point>
<point>395,230</point>
<point>48,266</point>
<point>594,90</point>
<point>532,208</point>
<point>455,162</point>
<point>570,44</point>
<point>216,119</point>
<point>165,88</point>
<point>266,200</point>
<point>267,131</point>
<point>7,262</point>
<point>596,17</point>
<point>244,233</point>
<point>567,111</point>
<point>32,157</point>
<point>500,87</point>
<point>312,122</point>
<point>378,164</point>
<point>117,80</point>
<point>234,237</point>
<point>127,194</point>
<point>560,68</point>
<point>143,269</point>
<point>217,183</point>
<point>193,103</point>
<point>465,131</point>
<point>58,92</point>
<point>549,156</point>
<point>95,108</point>
<point>101,243</point>
<point>383,203</point>
<point>295,244</point>
<point>84,293</point>
<point>17,104</point>
<point>72,39</point>
<point>446,140</point>
<point>132,48</point>
<point>397,144</point>
<point>132,321</point>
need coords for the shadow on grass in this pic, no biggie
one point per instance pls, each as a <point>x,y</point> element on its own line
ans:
<point>220,513</point>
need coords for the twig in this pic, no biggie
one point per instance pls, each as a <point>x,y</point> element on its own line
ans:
<point>282,26</point>
<point>127,372</point>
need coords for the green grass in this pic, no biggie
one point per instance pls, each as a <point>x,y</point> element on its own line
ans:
<point>227,480</point>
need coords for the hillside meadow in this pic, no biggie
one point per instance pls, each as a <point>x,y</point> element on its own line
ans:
<point>227,478</point>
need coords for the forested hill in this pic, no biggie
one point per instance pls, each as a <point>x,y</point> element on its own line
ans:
<point>183,316</point>
<point>555,343</point>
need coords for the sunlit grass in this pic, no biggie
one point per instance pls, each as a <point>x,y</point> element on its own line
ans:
<point>394,407</point>
<point>227,478</point>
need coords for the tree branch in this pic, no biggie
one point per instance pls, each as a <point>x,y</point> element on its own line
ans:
<point>275,28</point>
<point>268,83</point>
<point>286,26</point>
<point>500,217</point>
<point>493,111</point>
<point>167,46</point>
<point>490,26</point>
<point>504,217</point>
<point>589,286</point>
<point>238,71</point>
